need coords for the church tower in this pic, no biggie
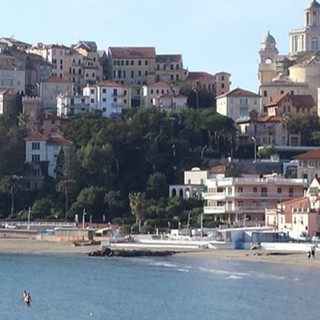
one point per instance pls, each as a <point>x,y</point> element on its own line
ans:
<point>308,37</point>
<point>268,54</point>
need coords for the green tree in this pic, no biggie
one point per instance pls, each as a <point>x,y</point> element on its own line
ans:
<point>138,205</point>
<point>12,184</point>
<point>157,186</point>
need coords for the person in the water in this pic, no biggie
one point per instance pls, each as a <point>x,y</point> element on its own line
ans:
<point>27,298</point>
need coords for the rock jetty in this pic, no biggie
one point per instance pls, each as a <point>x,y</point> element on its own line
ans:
<point>108,252</point>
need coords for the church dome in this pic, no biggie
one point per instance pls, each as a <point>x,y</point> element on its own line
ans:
<point>269,39</point>
<point>314,4</point>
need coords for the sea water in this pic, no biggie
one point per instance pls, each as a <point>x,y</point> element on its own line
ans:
<point>178,287</point>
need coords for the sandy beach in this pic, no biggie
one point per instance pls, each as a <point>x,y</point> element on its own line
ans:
<point>34,246</point>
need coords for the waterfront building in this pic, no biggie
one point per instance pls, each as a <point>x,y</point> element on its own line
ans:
<point>243,200</point>
<point>298,217</point>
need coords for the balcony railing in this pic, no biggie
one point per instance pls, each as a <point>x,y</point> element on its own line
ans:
<point>237,209</point>
<point>249,195</point>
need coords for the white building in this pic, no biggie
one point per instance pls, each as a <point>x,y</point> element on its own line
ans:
<point>151,92</point>
<point>70,105</point>
<point>170,102</point>
<point>42,153</point>
<point>238,103</point>
<point>108,97</point>
<point>244,200</point>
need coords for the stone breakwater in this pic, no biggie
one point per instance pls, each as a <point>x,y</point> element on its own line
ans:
<point>108,252</point>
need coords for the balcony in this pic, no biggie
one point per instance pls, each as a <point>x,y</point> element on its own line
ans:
<point>235,210</point>
<point>214,195</point>
<point>214,210</point>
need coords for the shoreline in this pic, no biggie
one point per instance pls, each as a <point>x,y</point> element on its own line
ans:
<point>35,246</point>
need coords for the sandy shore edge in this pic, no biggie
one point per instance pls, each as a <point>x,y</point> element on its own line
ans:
<point>33,246</point>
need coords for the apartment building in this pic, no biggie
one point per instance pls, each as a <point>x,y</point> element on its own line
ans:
<point>169,102</point>
<point>308,165</point>
<point>300,216</point>
<point>293,104</point>
<point>169,68</point>
<point>243,201</point>
<point>69,105</point>
<point>238,103</point>
<point>51,88</point>
<point>108,97</point>
<point>134,67</point>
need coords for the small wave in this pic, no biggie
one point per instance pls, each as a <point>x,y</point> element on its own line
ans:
<point>224,272</point>
<point>234,277</point>
<point>163,264</point>
<point>183,270</point>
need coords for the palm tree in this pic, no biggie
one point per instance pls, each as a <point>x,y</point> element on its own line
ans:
<point>66,186</point>
<point>138,205</point>
<point>11,184</point>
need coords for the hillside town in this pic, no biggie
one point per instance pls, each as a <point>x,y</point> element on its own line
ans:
<point>44,86</point>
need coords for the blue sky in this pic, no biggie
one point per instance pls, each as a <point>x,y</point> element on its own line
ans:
<point>212,35</point>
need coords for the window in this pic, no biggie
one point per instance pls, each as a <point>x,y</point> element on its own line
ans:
<point>132,62</point>
<point>240,189</point>
<point>92,100</point>
<point>35,157</point>
<point>255,190</point>
<point>139,62</point>
<point>279,190</point>
<point>290,192</point>
<point>265,93</point>
<point>146,62</point>
<point>115,92</point>
<point>104,100</point>
<point>264,192</point>
<point>104,90</point>
<point>132,74</point>
<point>35,145</point>
<point>92,91</point>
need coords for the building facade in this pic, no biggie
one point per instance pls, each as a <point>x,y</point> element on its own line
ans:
<point>243,201</point>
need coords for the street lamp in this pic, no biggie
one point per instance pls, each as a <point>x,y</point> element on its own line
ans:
<point>29,214</point>
<point>83,217</point>
<point>255,148</point>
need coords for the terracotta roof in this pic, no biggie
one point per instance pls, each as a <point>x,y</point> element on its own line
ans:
<point>265,119</point>
<point>218,169</point>
<point>200,76</point>
<point>111,84</point>
<point>56,80</point>
<point>298,100</point>
<point>167,58</point>
<point>302,100</point>
<point>275,100</point>
<point>238,92</point>
<point>132,52</point>
<point>310,155</point>
<point>36,136</point>
<point>159,85</point>
<point>59,141</point>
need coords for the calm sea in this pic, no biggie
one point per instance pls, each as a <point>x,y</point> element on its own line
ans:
<point>177,287</point>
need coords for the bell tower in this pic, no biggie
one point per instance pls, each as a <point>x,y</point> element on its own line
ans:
<point>268,53</point>
<point>308,37</point>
